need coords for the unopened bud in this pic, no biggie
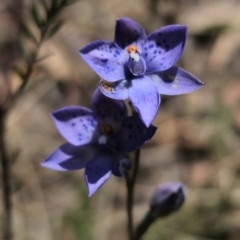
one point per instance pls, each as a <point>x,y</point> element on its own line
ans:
<point>125,164</point>
<point>167,198</point>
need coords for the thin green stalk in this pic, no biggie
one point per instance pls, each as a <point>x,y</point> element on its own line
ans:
<point>129,207</point>
<point>130,183</point>
<point>144,225</point>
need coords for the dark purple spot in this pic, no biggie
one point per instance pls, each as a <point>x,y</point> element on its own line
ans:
<point>151,46</point>
<point>152,58</point>
<point>155,51</point>
<point>73,124</point>
<point>130,126</point>
<point>117,52</point>
<point>104,60</point>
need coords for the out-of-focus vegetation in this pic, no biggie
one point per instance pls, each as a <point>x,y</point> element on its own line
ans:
<point>198,137</point>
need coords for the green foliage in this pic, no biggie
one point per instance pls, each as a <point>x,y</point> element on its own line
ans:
<point>25,30</point>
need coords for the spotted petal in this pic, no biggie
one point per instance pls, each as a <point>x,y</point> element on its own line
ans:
<point>164,47</point>
<point>106,59</point>
<point>175,81</point>
<point>98,171</point>
<point>69,157</point>
<point>108,111</point>
<point>133,134</point>
<point>145,99</point>
<point>128,31</point>
<point>76,124</point>
<point>117,90</point>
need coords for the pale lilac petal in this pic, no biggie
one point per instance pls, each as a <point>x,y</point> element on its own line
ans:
<point>117,90</point>
<point>76,124</point>
<point>106,59</point>
<point>69,157</point>
<point>128,31</point>
<point>175,81</point>
<point>98,171</point>
<point>108,111</point>
<point>164,47</point>
<point>144,98</point>
<point>133,134</point>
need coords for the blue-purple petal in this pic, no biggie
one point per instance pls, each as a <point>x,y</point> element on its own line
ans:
<point>76,124</point>
<point>108,111</point>
<point>133,134</point>
<point>144,98</point>
<point>164,47</point>
<point>106,59</point>
<point>128,31</point>
<point>175,81</point>
<point>117,90</point>
<point>98,171</point>
<point>68,157</point>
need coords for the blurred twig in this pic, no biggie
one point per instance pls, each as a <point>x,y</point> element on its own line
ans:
<point>47,27</point>
<point>7,223</point>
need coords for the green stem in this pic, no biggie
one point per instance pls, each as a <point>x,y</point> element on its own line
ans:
<point>129,206</point>
<point>144,225</point>
<point>130,183</point>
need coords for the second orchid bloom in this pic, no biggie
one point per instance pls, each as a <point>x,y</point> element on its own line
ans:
<point>97,140</point>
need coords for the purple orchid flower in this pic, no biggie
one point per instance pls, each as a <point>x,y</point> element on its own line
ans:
<point>97,140</point>
<point>140,67</point>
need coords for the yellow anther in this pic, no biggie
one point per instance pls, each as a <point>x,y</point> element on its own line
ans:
<point>132,49</point>
<point>106,129</point>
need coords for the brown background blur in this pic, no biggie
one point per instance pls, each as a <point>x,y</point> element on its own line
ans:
<point>198,137</point>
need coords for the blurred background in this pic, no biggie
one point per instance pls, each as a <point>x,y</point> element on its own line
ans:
<point>198,137</point>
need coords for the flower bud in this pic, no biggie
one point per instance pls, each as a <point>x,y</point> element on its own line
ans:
<point>125,164</point>
<point>167,198</point>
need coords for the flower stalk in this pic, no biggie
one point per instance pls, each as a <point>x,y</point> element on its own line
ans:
<point>130,184</point>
